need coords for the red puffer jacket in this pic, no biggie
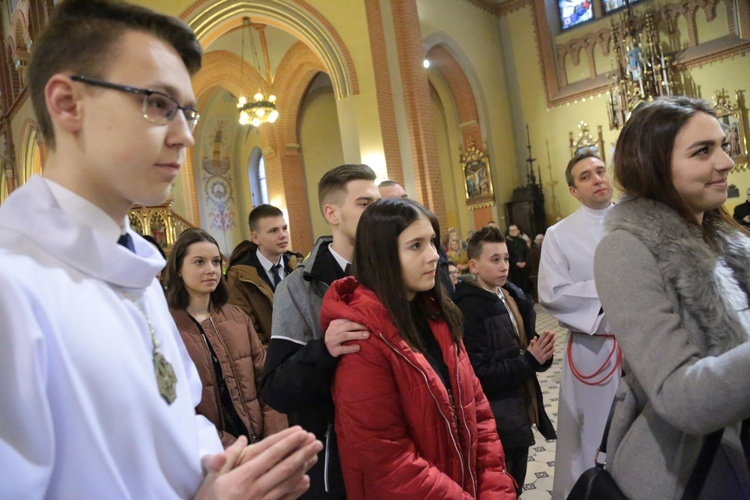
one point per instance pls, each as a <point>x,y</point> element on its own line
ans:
<point>399,435</point>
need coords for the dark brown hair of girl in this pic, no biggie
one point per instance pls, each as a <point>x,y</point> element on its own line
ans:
<point>643,158</point>
<point>177,294</point>
<point>376,265</point>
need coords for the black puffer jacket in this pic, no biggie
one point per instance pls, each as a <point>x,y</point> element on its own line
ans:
<point>507,372</point>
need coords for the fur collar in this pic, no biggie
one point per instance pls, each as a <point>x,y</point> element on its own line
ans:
<point>710,286</point>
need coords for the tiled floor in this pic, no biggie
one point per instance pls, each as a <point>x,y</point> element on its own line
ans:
<point>541,469</point>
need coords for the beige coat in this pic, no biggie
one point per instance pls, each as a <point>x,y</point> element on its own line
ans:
<point>241,356</point>
<point>679,313</point>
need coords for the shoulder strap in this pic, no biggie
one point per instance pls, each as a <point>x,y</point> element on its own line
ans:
<point>702,465</point>
<point>603,444</point>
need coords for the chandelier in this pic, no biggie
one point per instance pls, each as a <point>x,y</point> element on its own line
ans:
<point>642,71</point>
<point>262,108</point>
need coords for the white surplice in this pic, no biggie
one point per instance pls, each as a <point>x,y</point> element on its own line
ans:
<point>567,292</point>
<point>80,413</point>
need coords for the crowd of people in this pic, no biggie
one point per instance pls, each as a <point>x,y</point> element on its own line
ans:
<point>387,362</point>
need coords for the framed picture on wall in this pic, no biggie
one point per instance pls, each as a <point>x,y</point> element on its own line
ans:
<point>733,119</point>
<point>477,178</point>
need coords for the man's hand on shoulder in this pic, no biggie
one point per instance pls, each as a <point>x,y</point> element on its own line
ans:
<point>274,468</point>
<point>339,334</point>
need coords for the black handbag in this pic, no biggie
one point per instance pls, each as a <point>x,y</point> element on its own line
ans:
<point>597,483</point>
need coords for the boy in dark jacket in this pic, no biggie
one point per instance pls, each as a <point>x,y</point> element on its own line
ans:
<point>504,348</point>
<point>302,358</point>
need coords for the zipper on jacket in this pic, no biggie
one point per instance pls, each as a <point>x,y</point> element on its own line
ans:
<point>253,437</point>
<point>325,462</point>
<point>447,422</point>
<point>466,426</point>
<point>213,376</point>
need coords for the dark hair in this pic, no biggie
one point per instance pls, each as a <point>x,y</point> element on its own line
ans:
<point>177,294</point>
<point>581,154</point>
<point>81,39</point>
<point>332,185</point>
<point>261,212</point>
<point>643,157</point>
<point>487,234</point>
<point>376,264</point>
<point>153,241</point>
<point>240,250</point>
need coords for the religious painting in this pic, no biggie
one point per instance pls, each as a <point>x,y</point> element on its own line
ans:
<point>733,119</point>
<point>158,228</point>
<point>575,12</point>
<point>733,128</point>
<point>477,178</point>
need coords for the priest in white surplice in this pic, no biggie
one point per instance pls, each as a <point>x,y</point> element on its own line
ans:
<point>592,364</point>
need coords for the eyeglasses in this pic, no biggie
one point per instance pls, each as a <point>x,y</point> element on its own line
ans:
<point>158,107</point>
<point>453,273</point>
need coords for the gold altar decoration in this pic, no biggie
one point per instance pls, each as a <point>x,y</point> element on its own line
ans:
<point>641,69</point>
<point>734,120</point>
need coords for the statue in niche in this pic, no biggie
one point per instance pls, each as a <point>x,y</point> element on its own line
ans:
<point>635,63</point>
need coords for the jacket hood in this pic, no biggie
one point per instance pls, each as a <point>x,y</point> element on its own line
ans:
<point>348,299</point>
<point>699,276</point>
<point>320,264</point>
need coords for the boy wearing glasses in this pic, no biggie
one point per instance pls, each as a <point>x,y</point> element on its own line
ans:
<point>98,393</point>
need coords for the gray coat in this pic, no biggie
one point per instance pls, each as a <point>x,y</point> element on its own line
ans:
<point>679,313</point>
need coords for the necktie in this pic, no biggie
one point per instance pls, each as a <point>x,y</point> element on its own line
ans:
<point>126,241</point>
<point>348,270</point>
<point>276,275</point>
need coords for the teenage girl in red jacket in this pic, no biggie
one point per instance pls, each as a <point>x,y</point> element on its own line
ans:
<point>411,418</point>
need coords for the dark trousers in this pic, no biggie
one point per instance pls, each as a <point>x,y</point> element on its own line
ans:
<point>516,458</point>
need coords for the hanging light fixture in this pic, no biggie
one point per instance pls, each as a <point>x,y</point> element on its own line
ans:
<point>262,108</point>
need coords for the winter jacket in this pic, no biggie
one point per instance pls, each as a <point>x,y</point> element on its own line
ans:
<point>230,333</point>
<point>679,311</point>
<point>299,369</point>
<point>250,289</point>
<point>499,357</point>
<point>401,433</point>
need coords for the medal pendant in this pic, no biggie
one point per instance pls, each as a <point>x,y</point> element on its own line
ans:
<point>165,377</point>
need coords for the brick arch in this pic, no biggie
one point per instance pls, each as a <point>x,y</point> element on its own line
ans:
<point>30,147</point>
<point>222,68</point>
<point>280,140</point>
<point>463,95</point>
<point>229,71</point>
<point>446,58</point>
<point>212,18</point>
<point>21,26</point>
<point>293,76</point>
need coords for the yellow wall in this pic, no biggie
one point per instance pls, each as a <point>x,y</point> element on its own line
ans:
<point>555,123</point>
<point>320,142</point>
<point>500,57</point>
<point>474,39</point>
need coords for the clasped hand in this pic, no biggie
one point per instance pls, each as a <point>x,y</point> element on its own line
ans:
<point>274,468</point>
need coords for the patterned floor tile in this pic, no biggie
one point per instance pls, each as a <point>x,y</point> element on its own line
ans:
<point>541,466</point>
